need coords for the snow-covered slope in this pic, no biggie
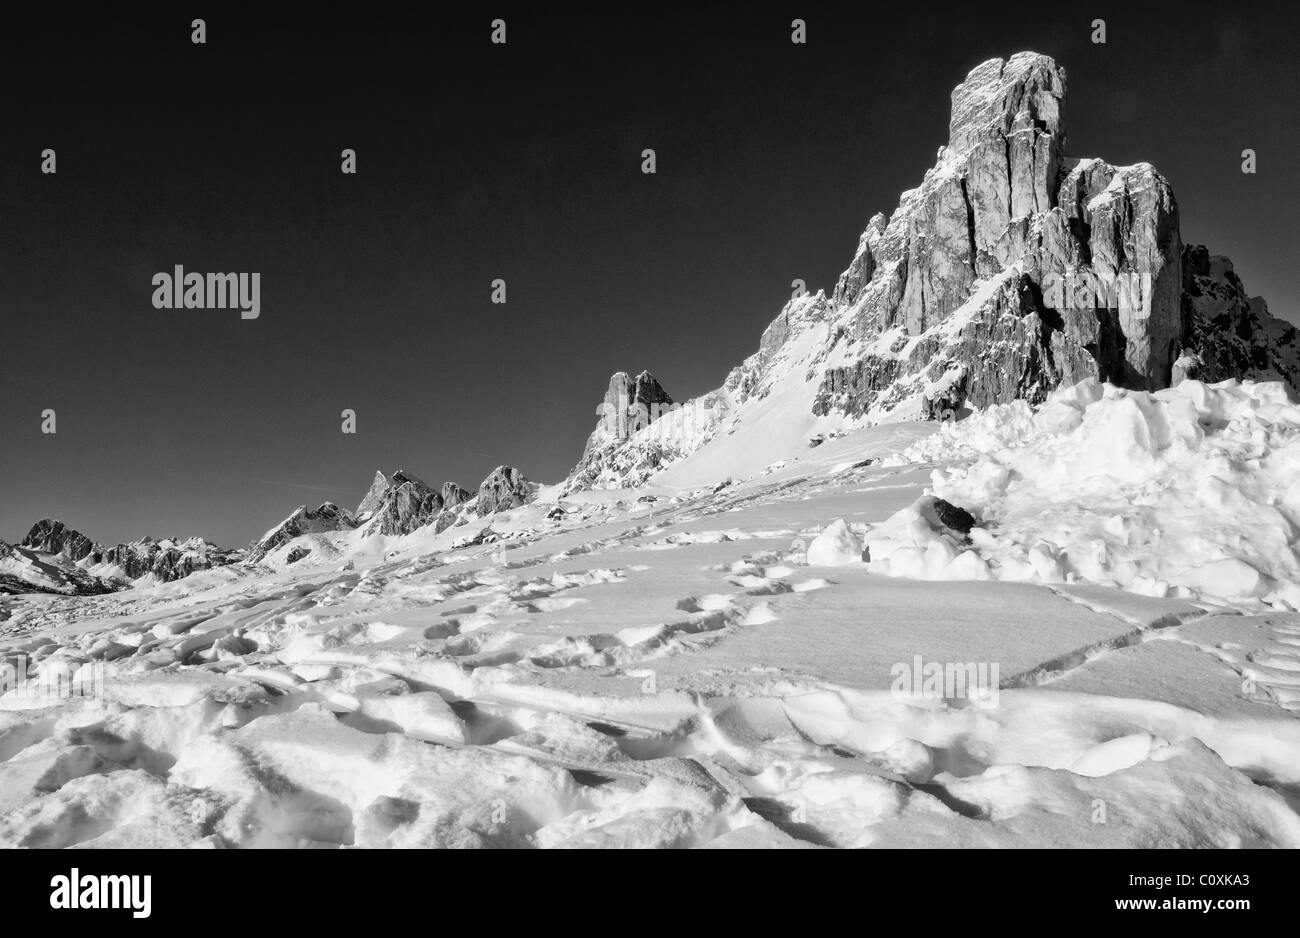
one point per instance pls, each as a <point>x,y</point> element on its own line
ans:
<point>648,668</point>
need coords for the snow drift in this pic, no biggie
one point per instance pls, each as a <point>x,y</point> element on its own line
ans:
<point>1190,491</point>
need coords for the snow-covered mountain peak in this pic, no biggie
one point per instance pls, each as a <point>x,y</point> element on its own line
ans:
<point>1011,270</point>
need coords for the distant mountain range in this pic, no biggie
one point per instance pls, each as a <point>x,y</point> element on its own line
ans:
<point>54,558</point>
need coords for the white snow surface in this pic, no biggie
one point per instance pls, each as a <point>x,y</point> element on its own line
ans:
<point>835,546</point>
<point>705,665</point>
<point>1193,491</point>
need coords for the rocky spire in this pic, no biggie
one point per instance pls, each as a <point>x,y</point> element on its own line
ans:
<point>1054,268</point>
<point>1011,269</point>
<point>398,504</point>
<point>505,487</point>
<point>374,497</point>
<point>631,404</point>
<point>999,98</point>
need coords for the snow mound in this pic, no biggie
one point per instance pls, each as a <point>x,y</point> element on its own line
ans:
<point>835,546</point>
<point>1191,491</point>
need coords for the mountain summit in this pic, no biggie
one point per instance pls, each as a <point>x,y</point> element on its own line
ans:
<point>1011,270</point>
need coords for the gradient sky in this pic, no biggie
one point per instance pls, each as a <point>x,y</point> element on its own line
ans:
<point>520,162</point>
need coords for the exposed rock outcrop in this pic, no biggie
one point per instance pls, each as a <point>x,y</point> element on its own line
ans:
<point>327,517</point>
<point>402,503</point>
<point>167,559</point>
<point>75,564</point>
<point>630,404</point>
<point>373,498</point>
<point>640,430</point>
<point>1013,269</point>
<point>1229,334</point>
<point>944,515</point>
<point>53,537</point>
<point>504,488</point>
<point>407,504</point>
<point>453,495</point>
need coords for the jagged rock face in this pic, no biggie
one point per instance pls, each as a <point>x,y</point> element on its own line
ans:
<point>446,520</point>
<point>401,503</point>
<point>630,442</point>
<point>172,560</point>
<point>378,489</point>
<point>53,537</point>
<point>618,466</point>
<point>1118,233</point>
<point>408,504</point>
<point>1005,135</point>
<point>997,200</point>
<point>167,560</point>
<point>630,404</point>
<point>453,495</point>
<point>327,517</point>
<point>1228,333</point>
<point>647,391</point>
<point>1013,269</point>
<point>505,487</point>
<point>999,98</point>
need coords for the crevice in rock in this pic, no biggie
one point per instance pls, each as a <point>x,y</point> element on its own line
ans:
<point>970,228</point>
<point>1011,179</point>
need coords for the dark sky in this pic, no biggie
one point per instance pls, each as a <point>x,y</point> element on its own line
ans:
<point>521,162</point>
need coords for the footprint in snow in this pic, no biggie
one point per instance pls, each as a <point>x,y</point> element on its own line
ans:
<point>712,602</point>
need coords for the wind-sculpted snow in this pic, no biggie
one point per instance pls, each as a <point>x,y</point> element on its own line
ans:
<point>655,668</point>
<point>1190,491</point>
